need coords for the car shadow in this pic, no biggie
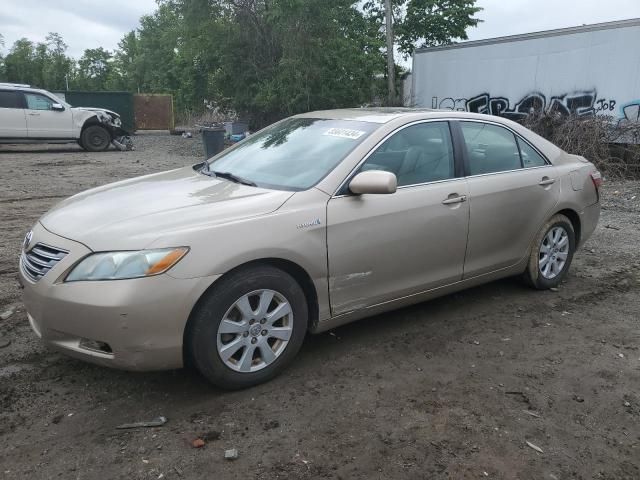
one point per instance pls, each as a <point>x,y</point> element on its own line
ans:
<point>18,148</point>
<point>325,359</point>
<point>454,310</point>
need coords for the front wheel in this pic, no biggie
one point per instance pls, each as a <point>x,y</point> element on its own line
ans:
<point>248,328</point>
<point>552,252</point>
<point>95,138</point>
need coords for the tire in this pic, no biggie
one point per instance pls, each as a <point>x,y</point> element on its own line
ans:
<point>95,138</point>
<point>550,260</point>
<point>245,326</point>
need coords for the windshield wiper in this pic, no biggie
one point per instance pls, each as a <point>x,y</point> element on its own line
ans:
<point>232,177</point>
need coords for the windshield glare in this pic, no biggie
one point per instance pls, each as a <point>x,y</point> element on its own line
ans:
<point>294,154</point>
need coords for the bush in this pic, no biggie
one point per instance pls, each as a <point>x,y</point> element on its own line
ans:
<point>612,145</point>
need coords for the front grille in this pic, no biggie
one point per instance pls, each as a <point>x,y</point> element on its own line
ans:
<point>40,259</point>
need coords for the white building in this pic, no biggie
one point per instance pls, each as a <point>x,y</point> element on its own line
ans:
<point>588,70</point>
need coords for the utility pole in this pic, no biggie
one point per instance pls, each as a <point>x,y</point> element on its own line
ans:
<point>391,69</point>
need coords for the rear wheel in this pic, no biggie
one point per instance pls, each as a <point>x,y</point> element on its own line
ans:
<point>551,254</point>
<point>248,328</point>
<point>95,138</point>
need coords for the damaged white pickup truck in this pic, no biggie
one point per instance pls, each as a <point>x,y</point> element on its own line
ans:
<point>30,115</point>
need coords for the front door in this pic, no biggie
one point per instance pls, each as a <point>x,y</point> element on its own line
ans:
<point>512,191</point>
<point>43,121</point>
<point>383,247</point>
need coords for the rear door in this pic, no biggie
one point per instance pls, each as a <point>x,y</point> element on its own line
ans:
<point>383,247</point>
<point>512,191</point>
<point>43,121</point>
<point>13,122</point>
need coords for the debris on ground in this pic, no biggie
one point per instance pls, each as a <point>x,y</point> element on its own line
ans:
<point>4,342</point>
<point>271,425</point>
<point>124,144</point>
<point>211,436</point>
<point>231,454</point>
<point>535,447</point>
<point>578,398</point>
<point>156,422</point>
<point>532,413</point>
<point>7,313</point>
<point>198,443</point>
<point>523,397</point>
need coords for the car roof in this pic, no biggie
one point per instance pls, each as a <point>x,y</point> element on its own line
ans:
<point>21,87</point>
<point>383,115</point>
<point>369,114</point>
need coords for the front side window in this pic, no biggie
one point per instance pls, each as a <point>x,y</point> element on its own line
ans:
<point>38,102</point>
<point>9,99</point>
<point>294,154</point>
<point>417,154</point>
<point>490,148</point>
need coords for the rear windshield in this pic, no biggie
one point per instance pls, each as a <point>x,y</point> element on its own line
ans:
<point>294,154</point>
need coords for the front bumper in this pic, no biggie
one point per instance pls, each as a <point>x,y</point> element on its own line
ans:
<point>141,320</point>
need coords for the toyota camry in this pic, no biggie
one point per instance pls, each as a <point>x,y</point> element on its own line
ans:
<point>318,220</point>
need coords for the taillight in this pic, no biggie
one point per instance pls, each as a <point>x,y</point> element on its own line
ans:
<point>596,177</point>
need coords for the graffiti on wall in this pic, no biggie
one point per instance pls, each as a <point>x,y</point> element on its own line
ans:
<point>580,103</point>
<point>631,112</point>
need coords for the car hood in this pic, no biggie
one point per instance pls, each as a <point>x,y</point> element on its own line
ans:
<point>91,109</point>
<point>134,213</point>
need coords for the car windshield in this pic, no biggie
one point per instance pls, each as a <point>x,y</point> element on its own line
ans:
<point>58,99</point>
<point>294,154</point>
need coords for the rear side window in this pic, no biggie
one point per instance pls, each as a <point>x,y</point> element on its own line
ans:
<point>418,154</point>
<point>530,158</point>
<point>38,102</point>
<point>490,148</point>
<point>10,99</point>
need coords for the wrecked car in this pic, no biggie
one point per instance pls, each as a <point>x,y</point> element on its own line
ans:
<point>31,115</point>
<point>316,221</point>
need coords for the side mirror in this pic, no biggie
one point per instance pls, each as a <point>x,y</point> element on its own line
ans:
<point>58,107</point>
<point>374,182</point>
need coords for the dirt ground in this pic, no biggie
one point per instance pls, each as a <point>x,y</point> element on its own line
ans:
<point>453,388</point>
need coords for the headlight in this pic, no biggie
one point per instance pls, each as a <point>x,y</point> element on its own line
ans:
<point>117,122</point>
<point>121,265</point>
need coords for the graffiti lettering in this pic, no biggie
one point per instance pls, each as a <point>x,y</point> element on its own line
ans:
<point>631,112</point>
<point>577,103</point>
<point>603,105</point>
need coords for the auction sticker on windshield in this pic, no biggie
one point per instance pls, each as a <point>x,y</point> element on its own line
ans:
<point>345,133</point>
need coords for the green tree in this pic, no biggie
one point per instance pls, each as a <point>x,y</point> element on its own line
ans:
<point>3,73</point>
<point>126,73</point>
<point>94,69</point>
<point>422,23</point>
<point>19,62</point>
<point>58,66</point>
<point>43,64</point>
<point>271,58</point>
<point>435,22</point>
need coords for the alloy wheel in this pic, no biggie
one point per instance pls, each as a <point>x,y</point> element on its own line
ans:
<point>554,252</point>
<point>255,331</point>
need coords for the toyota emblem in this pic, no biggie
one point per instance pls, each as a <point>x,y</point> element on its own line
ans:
<point>27,240</point>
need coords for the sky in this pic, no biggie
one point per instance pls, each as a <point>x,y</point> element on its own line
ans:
<point>90,23</point>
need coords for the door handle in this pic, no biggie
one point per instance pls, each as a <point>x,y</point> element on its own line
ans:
<point>34,114</point>
<point>546,181</point>
<point>452,200</point>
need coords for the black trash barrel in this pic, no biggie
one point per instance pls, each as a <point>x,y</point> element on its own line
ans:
<point>213,140</point>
